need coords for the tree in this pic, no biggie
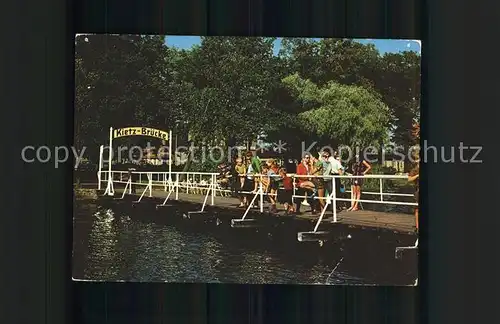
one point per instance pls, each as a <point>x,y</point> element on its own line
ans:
<point>341,114</point>
<point>395,76</point>
<point>415,134</point>
<point>399,84</point>
<point>341,60</point>
<point>120,81</point>
<point>231,90</point>
<point>230,79</point>
<point>301,56</point>
<point>347,62</point>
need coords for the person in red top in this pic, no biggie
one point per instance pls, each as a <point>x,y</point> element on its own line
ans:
<point>305,185</point>
<point>303,169</point>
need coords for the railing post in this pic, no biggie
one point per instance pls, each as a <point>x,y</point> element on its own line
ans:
<point>142,195</point>
<point>176,186</point>
<point>352,191</point>
<point>206,197</point>
<point>130,187</point>
<point>127,186</point>
<point>99,175</point>
<point>150,184</point>
<point>251,204</point>
<point>330,194</point>
<point>334,200</point>
<point>110,189</point>
<point>106,191</point>
<point>213,188</point>
<point>261,196</point>
<point>320,219</point>
<point>381,191</point>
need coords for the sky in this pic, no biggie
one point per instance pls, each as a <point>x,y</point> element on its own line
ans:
<point>383,45</point>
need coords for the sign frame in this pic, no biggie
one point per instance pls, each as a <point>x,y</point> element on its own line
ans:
<point>141,131</point>
<point>137,131</point>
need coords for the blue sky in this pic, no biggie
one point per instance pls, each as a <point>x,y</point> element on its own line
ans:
<point>383,45</point>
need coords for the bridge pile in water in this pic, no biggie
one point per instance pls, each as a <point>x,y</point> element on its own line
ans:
<point>165,190</point>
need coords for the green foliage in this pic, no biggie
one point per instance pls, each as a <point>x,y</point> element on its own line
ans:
<point>203,166</point>
<point>399,84</point>
<point>373,185</point>
<point>233,89</point>
<point>348,115</point>
<point>120,81</point>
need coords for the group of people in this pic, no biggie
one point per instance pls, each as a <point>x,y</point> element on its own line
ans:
<point>326,165</point>
<point>313,180</point>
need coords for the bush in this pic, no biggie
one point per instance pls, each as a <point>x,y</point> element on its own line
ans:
<point>205,166</point>
<point>371,184</point>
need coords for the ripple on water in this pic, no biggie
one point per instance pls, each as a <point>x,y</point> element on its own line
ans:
<point>118,247</point>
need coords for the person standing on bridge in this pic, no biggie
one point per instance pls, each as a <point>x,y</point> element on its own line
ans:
<point>327,171</point>
<point>255,167</point>
<point>413,176</point>
<point>272,173</point>
<point>252,181</point>
<point>317,170</point>
<point>305,185</point>
<point>285,194</point>
<point>359,168</point>
<point>240,172</point>
<point>223,177</point>
<point>266,180</point>
<point>338,170</point>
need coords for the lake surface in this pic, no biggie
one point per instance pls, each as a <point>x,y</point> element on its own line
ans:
<point>114,243</point>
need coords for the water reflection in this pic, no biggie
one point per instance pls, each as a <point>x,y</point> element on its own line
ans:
<point>102,245</point>
<point>112,245</point>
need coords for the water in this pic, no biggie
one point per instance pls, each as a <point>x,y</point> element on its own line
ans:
<point>117,243</point>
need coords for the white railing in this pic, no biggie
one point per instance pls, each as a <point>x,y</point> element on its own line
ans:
<point>192,183</point>
<point>332,198</point>
<point>163,180</point>
<point>198,182</point>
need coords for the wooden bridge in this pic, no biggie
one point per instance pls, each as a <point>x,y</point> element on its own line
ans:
<point>398,222</point>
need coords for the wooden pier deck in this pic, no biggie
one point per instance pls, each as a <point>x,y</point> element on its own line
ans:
<point>397,222</point>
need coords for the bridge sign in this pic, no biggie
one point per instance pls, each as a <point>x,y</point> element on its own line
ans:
<point>133,131</point>
<point>141,131</point>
